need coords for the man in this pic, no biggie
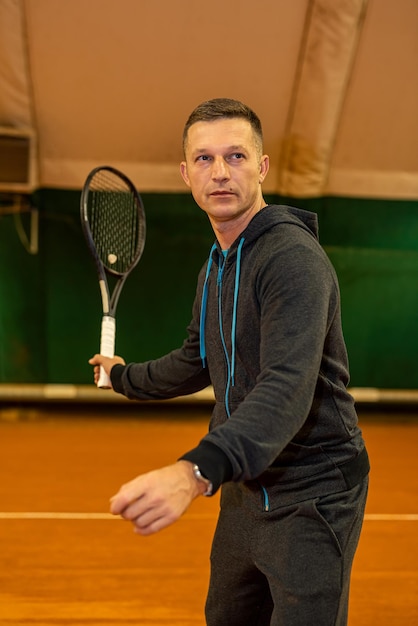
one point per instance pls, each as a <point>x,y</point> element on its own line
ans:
<point>283,440</point>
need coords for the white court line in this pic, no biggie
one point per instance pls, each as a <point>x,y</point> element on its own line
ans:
<point>34,515</point>
<point>56,515</point>
<point>391,517</point>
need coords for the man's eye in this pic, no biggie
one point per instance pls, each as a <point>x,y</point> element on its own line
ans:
<point>237,155</point>
<point>203,157</point>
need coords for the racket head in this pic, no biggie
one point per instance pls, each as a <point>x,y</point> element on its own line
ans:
<point>113,220</point>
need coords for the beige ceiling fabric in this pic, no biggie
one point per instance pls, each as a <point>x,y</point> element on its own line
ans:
<point>16,109</point>
<point>327,53</point>
<point>335,83</point>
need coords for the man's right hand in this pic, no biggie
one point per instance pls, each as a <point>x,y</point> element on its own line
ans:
<point>106,362</point>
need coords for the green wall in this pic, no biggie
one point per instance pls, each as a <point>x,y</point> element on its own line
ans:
<point>50,308</point>
<point>374,248</point>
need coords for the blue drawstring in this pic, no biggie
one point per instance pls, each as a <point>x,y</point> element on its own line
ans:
<point>234,312</point>
<point>230,361</point>
<point>203,308</point>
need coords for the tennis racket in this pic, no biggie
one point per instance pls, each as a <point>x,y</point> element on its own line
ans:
<point>113,222</point>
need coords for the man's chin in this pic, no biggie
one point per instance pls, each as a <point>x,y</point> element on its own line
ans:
<point>222,205</point>
<point>221,214</point>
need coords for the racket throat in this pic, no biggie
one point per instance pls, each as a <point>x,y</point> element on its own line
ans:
<point>105,296</point>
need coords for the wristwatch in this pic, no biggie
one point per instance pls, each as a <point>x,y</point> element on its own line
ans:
<point>198,475</point>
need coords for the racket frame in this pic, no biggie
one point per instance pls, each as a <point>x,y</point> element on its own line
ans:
<point>110,301</point>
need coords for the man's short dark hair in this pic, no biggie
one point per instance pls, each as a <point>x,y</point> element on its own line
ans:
<point>221,108</point>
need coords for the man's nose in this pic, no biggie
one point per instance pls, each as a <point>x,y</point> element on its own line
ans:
<point>220,169</point>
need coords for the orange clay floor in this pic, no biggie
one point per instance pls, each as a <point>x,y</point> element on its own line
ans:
<point>65,561</point>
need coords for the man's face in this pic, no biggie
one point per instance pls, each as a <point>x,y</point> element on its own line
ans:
<point>224,168</point>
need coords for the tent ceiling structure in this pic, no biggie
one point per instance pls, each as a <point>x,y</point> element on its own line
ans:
<point>335,83</point>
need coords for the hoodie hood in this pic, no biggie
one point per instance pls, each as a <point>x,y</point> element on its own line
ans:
<point>273,215</point>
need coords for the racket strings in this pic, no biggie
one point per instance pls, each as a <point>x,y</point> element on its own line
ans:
<point>114,222</point>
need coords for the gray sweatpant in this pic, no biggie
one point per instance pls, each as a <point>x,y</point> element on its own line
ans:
<point>287,567</point>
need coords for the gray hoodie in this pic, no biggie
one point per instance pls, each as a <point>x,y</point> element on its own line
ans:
<point>266,333</point>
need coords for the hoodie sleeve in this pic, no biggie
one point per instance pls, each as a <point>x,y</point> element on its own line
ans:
<point>178,373</point>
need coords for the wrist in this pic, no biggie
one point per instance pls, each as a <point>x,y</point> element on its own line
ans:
<point>203,484</point>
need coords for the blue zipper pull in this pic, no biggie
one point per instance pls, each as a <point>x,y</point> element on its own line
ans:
<point>266,501</point>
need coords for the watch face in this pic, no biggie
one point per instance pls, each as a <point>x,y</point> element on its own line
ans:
<point>202,479</point>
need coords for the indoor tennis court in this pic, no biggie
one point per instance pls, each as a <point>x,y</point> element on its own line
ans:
<point>109,84</point>
<point>65,560</point>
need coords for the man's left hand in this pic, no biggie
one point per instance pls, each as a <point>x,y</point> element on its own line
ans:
<point>157,499</point>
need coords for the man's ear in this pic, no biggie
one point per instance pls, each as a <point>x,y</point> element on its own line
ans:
<point>183,172</point>
<point>264,167</point>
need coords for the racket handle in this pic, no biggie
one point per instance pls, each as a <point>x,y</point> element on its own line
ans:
<point>107,348</point>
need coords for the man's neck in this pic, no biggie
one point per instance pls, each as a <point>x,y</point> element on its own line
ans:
<point>227,231</point>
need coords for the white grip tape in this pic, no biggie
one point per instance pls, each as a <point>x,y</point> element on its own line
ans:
<point>107,347</point>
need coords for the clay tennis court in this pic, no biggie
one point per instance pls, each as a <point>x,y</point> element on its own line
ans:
<point>65,560</point>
